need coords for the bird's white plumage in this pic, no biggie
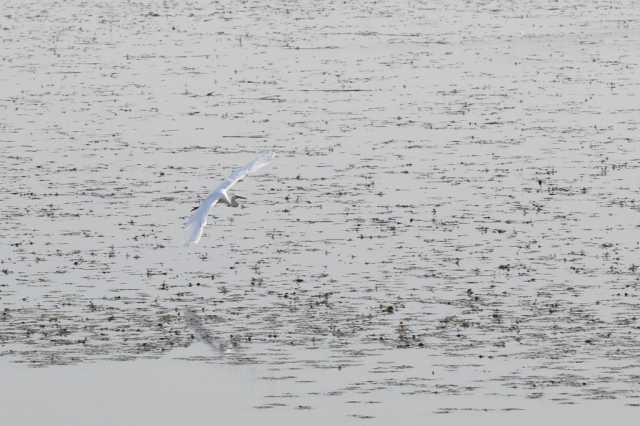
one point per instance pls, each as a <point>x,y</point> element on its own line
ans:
<point>195,224</point>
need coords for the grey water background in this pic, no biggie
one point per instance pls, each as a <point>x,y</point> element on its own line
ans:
<point>450,227</point>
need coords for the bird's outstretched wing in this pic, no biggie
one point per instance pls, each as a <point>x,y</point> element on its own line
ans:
<point>262,160</point>
<point>195,224</point>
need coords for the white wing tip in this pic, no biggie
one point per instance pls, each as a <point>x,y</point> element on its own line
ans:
<point>266,155</point>
<point>194,226</point>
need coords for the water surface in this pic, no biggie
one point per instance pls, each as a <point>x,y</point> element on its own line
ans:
<point>450,228</point>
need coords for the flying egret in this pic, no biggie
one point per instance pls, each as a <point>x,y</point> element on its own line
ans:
<point>198,219</point>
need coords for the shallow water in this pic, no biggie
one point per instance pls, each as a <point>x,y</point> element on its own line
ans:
<point>452,215</point>
<point>168,391</point>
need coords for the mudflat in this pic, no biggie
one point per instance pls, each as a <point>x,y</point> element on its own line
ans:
<point>449,231</point>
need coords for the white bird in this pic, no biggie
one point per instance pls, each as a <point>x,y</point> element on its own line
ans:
<point>195,224</point>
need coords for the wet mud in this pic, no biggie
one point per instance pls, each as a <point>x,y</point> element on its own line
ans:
<point>454,209</point>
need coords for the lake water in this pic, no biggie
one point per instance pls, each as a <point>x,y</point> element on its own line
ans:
<point>449,232</point>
